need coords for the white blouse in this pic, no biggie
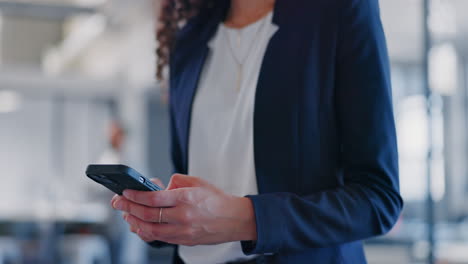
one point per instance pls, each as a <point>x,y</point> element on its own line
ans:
<point>221,132</point>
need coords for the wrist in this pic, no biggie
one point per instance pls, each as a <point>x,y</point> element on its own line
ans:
<point>245,224</point>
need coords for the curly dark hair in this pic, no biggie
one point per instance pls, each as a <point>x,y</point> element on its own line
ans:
<point>173,14</point>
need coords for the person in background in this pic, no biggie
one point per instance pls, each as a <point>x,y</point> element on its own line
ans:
<point>282,109</point>
<point>112,154</point>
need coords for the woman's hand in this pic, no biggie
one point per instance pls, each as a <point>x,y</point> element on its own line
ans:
<point>194,213</point>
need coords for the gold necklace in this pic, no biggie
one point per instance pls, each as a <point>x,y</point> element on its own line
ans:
<point>241,61</point>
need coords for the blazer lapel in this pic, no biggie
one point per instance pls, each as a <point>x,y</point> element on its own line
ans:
<point>276,110</point>
<point>184,99</point>
<point>187,65</point>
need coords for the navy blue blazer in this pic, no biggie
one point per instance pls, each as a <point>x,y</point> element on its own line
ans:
<point>324,135</point>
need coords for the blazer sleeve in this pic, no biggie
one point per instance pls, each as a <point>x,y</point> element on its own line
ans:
<point>368,203</point>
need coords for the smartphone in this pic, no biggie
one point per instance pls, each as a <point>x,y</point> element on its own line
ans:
<point>118,178</point>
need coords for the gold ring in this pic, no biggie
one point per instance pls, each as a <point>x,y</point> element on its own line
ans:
<point>160,215</point>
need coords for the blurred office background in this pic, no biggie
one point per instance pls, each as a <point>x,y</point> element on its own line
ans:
<point>77,87</point>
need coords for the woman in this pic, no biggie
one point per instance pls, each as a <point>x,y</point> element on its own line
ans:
<point>283,109</point>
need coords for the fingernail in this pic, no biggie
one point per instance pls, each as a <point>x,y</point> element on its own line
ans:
<point>125,216</point>
<point>125,193</point>
<point>118,204</point>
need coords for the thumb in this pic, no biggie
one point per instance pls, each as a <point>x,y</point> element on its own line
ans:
<point>184,181</point>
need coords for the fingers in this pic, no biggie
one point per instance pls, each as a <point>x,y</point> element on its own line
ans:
<point>145,213</point>
<point>144,236</point>
<point>168,198</point>
<point>165,198</point>
<point>173,215</point>
<point>138,232</point>
<point>115,197</point>
<point>151,231</point>
<point>133,229</point>
<point>177,215</point>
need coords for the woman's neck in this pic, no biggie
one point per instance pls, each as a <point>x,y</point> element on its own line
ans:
<point>245,12</point>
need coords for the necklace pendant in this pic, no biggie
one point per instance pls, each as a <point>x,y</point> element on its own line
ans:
<point>239,79</point>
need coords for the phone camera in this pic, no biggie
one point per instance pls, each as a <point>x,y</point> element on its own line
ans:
<point>141,179</point>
